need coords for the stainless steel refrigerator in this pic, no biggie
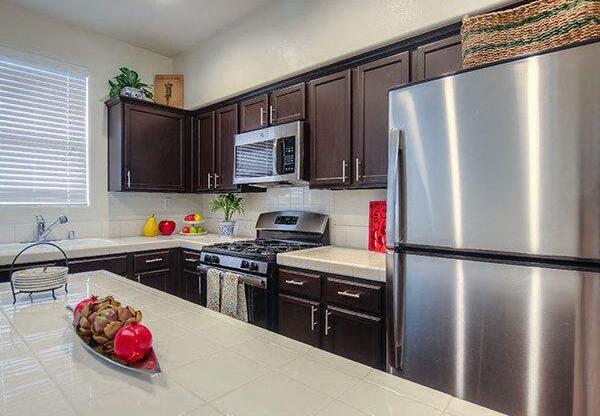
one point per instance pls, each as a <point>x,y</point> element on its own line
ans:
<point>493,263</point>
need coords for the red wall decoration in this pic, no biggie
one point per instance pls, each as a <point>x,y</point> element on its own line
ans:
<point>377,213</point>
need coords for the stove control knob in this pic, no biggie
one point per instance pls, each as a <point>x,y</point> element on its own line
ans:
<point>253,266</point>
<point>216,260</point>
<point>207,258</point>
<point>245,264</point>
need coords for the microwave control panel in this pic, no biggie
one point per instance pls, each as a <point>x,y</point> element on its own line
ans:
<point>289,155</point>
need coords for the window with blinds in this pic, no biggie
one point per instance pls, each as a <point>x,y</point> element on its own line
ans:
<point>43,131</point>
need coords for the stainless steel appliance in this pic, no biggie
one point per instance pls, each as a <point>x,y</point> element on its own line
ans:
<point>273,156</point>
<point>256,260</point>
<point>493,263</point>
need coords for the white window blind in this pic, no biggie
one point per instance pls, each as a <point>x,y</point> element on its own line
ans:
<point>43,131</point>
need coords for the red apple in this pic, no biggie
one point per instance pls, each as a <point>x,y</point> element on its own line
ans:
<point>166,227</point>
<point>81,305</point>
<point>189,217</point>
<point>185,229</point>
<point>132,342</point>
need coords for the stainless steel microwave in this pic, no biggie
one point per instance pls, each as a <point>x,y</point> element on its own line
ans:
<point>273,156</point>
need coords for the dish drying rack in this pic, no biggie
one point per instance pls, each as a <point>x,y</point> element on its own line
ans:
<point>57,280</point>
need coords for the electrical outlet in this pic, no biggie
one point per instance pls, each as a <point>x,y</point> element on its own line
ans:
<point>167,203</point>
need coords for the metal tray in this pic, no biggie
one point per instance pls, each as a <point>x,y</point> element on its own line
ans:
<point>147,365</point>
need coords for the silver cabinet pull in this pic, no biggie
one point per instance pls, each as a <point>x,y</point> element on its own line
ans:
<point>191,260</point>
<point>327,327</point>
<point>344,166</point>
<point>139,279</point>
<point>129,179</point>
<point>199,285</point>
<point>209,179</point>
<point>271,114</point>
<point>215,177</point>
<point>295,282</point>
<point>262,116</point>
<point>349,294</point>
<point>357,169</point>
<point>154,260</point>
<point>313,321</point>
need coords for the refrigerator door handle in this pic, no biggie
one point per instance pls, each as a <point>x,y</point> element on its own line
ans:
<point>395,226</point>
<point>395,304</point>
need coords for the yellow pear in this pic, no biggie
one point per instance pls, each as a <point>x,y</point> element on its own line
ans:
<point>151,227</point>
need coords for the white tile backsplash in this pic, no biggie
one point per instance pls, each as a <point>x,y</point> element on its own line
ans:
<point>348,211</point>
<point>126,214</point>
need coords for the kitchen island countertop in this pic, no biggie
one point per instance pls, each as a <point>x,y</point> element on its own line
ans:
<point>212,365</point>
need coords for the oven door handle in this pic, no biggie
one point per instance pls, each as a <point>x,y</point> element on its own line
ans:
<point>247,279</point>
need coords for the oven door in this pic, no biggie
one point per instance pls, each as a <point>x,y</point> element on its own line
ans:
<point>259,292</point>
<point>270,156</point>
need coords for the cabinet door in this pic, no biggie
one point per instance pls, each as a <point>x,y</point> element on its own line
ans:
<point>157,279</point>
<point>253,113</point>
<point>287,104</point>
<point>227,128</point>
<point>203,150</point>
<point>299,319</point>
<point>156,150</point>
<point>329,114</point>
<point>193,286</point>
<point>370,109</point>
<point>437,58</point>
<point>354,335</point>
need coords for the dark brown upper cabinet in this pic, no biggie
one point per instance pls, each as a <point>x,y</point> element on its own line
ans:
<point>371,83</point>
<point>226,119</point>
<point>203,152</point>
<point>278,107</point>
<point>437,58</point>
<point>253,113</point>
<point>287,104</point>
<point>148,147</point>
<point>329,99</point>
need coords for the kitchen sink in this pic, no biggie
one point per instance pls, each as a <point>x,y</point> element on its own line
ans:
<point>66,244</point>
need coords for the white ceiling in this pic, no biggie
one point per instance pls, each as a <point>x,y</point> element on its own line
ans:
<point>163,26</point>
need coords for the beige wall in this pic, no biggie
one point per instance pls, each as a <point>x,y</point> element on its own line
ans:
<point>108,214</point>
<point>291,36</point>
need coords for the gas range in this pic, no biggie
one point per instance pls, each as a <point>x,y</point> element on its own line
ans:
<point>276,232</point>
<point>250,255</point>
<point>255,261</point>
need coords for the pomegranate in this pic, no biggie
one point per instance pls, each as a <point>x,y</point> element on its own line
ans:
<point>132,342</point>
<point>81,305</point>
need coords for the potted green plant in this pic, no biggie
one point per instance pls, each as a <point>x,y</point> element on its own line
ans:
<point>129,84</point>
<point>230,205</point>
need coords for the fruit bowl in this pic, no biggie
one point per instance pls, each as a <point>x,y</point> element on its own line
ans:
<point>193,234</point>
<point>114,334</point>
<point>193,222</point>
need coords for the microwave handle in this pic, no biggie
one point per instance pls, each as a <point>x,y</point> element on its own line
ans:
<point>279,156</point>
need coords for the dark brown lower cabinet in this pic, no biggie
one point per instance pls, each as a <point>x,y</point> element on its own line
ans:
<point>354,335</point>
<point>156,279</point>
<point>193,287</point>
<point>344,317</point>
<point>300,319</point>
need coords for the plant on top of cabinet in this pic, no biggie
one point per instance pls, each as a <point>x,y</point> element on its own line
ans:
<point>128,83</point>
<point>230,205</point>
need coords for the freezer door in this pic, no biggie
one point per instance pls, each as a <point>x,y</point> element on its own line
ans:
<point>505,158</point>
<point>518,339</point>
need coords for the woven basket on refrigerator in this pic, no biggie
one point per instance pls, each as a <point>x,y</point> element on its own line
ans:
<point>533,27</point>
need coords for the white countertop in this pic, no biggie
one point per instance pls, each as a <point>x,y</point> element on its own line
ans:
<point>337,260</point>
<point>88,247</point>
<point>212,365</point>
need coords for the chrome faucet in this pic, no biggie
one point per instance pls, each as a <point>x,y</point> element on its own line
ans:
<point>42,230</point>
